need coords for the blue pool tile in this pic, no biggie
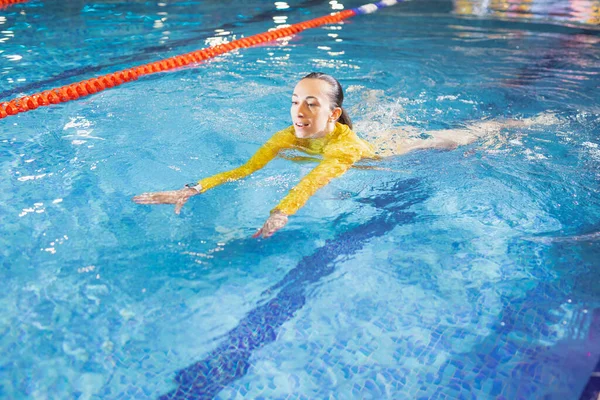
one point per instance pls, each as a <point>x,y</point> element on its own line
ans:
<point>496,388</point>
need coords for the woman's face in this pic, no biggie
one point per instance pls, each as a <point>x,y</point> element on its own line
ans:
<point>311,110</point>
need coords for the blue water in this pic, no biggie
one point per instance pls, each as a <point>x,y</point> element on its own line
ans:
<point>461,274</point>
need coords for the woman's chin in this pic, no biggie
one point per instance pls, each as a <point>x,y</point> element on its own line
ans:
<point>302,134</point>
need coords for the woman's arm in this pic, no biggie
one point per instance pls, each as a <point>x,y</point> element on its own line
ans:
<point>261,158</point>
<point>179,197</point>
<point>320,176</point>
<point>339,156</point>
<point>299,195</point>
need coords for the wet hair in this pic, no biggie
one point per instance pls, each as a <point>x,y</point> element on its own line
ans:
<point>336,94</point>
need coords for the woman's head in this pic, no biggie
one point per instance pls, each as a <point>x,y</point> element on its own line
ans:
<point>317,105</point>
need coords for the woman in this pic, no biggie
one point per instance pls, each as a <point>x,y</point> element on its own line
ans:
<point>322,127</point>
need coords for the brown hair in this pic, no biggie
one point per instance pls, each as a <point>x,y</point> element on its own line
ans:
<point>336,94</point>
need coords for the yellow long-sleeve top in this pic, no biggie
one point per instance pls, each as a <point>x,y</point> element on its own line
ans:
<point>340,149</point>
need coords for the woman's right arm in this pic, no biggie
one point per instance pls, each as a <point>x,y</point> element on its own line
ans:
<point>266,153</point>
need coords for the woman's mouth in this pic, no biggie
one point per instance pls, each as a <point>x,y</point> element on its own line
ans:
<point>302,125</point>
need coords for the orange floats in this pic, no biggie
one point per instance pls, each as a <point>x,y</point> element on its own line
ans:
<point>88,87</point>
<point>6,3</point>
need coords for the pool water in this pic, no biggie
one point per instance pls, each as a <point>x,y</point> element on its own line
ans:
<point>469,273</point>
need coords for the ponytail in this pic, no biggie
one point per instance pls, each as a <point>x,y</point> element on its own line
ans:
<point>345,119</point>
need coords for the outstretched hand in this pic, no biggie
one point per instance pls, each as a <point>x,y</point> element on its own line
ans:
<point>177,197</point>
<point>276,221</point>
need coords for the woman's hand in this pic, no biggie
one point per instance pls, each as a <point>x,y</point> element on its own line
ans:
<point>276,221</point>
<point>177,197</point>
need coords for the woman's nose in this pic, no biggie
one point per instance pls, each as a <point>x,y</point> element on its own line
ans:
<point>302,110</point>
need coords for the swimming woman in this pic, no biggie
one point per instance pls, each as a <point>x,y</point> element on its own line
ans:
<point>322,127</point>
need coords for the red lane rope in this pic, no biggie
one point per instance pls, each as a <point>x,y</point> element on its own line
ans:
<point>5,3</point>
<point>98,84</point>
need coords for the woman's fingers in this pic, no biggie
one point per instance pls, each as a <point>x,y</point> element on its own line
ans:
<point>263,233</point>
<point>179,204</point>
<point>258,233</point>
<point>275,222</point>
<point>269,233</point>
<point>177,197</point>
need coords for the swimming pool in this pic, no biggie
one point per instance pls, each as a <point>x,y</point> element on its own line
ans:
<point>461,274</point>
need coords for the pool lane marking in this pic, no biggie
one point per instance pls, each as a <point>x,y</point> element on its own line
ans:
<point>231,360</point>
<point>6,3</point>
<point>84,88</point>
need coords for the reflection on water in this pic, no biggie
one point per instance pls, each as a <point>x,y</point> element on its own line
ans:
<point>579,11</point>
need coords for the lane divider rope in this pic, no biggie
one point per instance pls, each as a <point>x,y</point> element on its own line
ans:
<point>6,3</point>
<point>87,87</point>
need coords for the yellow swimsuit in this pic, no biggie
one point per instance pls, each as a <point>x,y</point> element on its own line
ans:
<point>340,149</point>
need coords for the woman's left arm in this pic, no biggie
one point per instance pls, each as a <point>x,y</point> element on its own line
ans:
<point>331,167</point>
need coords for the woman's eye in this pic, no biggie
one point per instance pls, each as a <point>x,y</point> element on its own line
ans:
<point>311,104</point>
<point>294,103</point>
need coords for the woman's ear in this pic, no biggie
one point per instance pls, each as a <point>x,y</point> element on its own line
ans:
<point>336,113</point>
